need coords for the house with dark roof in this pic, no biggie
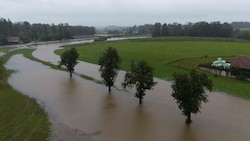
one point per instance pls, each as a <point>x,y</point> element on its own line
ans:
<point>241,62</point>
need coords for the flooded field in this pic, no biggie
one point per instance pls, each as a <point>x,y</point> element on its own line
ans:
<point>83,110</point>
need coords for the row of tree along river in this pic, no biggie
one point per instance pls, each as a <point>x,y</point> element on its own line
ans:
<point>80,109</point>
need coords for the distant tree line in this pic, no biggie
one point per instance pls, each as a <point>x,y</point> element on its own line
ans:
<point>37,31</point>
<point>240,24</point>
<point>241,30</point>
<point>242,34</point>
<point>134,30</point>
<point>139,30</point>
<point>199,29</point>
<point>238,30</point>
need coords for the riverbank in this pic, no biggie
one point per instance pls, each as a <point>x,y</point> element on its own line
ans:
<point>57,131</point>
<point>21,117</point>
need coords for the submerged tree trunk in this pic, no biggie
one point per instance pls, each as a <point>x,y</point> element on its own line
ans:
<point>188,120</point>
<point>109,88</point>
<point>70,73</point>
<point>140,100</point>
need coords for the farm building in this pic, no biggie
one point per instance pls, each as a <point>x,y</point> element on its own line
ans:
<point>241,62</point>
<point>239,67</point>
<point>13,39</point>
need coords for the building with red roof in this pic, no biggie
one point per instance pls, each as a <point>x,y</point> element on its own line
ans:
<point>241,62</point>
<point>13,39</point>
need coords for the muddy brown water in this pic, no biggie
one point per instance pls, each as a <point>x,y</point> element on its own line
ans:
<point>83,110</point>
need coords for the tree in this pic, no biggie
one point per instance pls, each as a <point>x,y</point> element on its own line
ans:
<point>164,30</point>
<point>227,30</point>
<point>141,77</point>
<point>69,59</point>
<point>156,30</point>
<point>189,92</point>
<point>109,64</point>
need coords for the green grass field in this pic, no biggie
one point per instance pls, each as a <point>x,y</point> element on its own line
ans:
<point>245,29</point>
<point>6,48</point>
<point>21,117</point>
<point>174,55</point>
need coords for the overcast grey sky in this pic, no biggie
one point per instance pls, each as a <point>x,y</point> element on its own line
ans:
<point>124,12</point>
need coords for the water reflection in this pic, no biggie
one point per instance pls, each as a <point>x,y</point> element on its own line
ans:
<point>186,134</point>
<point>84,110</point>
<point>70,86</point>
<point>109,102</point>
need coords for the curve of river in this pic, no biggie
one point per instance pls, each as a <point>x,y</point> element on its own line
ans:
<point>83,110</point>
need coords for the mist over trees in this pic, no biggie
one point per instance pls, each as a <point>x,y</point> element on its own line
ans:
<point>38,31</point>
<point>199,29</point>
<point>47,32</point>
<point>242,30</point>
<point>240,24</point>
<point>133,30</point>
<point>238,30</point>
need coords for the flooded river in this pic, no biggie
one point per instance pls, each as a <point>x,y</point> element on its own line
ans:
<point>83,110</point>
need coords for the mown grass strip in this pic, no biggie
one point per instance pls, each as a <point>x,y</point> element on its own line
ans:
<point>5,49</point>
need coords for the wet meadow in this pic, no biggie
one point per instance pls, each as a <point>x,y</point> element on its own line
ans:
<point>174,54</point>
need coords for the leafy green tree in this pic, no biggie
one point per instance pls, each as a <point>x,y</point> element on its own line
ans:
<point>189,92</point>
<point>164,30</point>
<point>140,77</point>
<point>69,59</point>
<point>156,30</point>
<point>109,63</point>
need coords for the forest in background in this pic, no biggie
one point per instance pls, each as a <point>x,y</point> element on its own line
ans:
<point>40,32</point>
<point>48,32</point>
<point>237,30</point>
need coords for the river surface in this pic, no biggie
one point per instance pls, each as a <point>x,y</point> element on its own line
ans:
<point>83,110</point>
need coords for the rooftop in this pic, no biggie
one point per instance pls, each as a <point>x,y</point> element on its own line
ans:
<point>242,62</point>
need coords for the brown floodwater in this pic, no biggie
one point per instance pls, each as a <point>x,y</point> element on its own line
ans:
<point>83,110</point>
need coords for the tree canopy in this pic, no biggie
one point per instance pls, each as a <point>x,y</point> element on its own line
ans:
<point>140,77</point>
<point>69,59</point>
<point>199,29</point>
<point>38,31</point>
<point>109,63</point>
<point>189,92</point>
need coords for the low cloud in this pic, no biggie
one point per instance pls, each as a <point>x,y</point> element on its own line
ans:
<point>123,12</point>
